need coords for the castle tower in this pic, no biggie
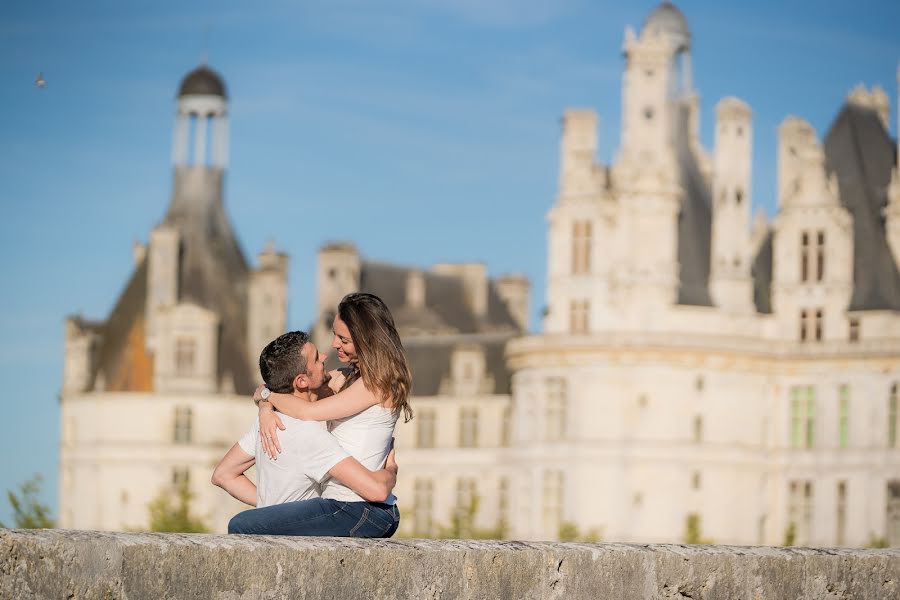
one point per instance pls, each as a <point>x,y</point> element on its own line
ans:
<point>574,257</point>
<point>656,127</point>
<point>174,347</point>
<point>730,280</point>
<point>267,299</point>
<point>338,275</point>
<point>811,285</point>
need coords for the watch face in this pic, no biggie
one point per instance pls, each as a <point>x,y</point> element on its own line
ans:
<point>265,393</point>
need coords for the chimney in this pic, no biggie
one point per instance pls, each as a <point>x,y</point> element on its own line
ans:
<point>474,280</point>
<point>513,290</point>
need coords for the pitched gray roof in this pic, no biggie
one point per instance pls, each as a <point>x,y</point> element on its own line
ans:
<point>213,273</point>
<point>860,151</point>
<point>445,301</point>
<point>694,221</point>
<point>429,360</point>
<point>761,271</point>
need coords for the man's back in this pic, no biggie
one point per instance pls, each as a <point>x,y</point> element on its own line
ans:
<point>309,451</point>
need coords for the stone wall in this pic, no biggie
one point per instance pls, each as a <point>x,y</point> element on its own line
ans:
<point>82,565</point>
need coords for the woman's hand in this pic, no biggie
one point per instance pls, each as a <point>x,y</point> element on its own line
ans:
<point>269,424</point>
<point>337,380</point>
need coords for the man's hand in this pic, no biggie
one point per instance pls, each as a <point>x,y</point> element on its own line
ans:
<point>391,463</point>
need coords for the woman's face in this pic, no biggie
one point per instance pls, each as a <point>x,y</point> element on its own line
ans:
<point>342,342</point>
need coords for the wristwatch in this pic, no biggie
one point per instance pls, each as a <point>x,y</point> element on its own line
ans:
<point>264,393</point>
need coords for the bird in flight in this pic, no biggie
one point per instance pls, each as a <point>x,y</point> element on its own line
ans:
<point>40,81</point>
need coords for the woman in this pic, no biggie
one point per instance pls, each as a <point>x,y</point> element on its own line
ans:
<point>374,391</point>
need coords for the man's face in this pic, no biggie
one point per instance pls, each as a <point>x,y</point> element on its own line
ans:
<point>315,365</point>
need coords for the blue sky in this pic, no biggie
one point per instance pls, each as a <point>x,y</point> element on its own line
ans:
<point>423,131</point>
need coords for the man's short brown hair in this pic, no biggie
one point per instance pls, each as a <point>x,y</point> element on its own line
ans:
<point>282,360</point>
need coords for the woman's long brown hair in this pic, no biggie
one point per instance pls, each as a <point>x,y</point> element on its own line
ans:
<point>381,359</point>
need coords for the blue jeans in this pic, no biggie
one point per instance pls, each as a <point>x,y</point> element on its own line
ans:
<point>319,516</point>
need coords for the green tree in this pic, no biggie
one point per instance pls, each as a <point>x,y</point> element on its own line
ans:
<point>790,534</point>
<point>174,514</point>
<point>877,541</point>
<point>692,534</point>
<point>28,512</point>
<point>569,532</point>
<point>462,525</point>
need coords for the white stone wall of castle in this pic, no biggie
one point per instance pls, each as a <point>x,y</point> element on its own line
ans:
<point>632,451</point>
<point>119,451</point>
<point>431,453</point>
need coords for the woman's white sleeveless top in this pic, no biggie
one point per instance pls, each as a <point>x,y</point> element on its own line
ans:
<point>367,437</point>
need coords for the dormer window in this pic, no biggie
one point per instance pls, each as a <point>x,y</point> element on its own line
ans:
<point>185,356</point>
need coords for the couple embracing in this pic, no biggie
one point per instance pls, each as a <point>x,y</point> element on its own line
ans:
<point>325,461</point>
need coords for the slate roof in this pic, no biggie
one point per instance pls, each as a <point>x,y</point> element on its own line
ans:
<point>694,220</point>
<point>861,152</point>
<point>431,333</point>
<point>445,301</point>
<point>429,360</point>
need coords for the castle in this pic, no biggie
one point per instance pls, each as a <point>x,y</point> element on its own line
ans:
<point>700,374</point>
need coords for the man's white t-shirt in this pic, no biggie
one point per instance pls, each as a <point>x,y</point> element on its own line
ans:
<point>308,453</point>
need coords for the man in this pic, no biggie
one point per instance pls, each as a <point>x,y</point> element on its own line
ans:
<point>292,364</point>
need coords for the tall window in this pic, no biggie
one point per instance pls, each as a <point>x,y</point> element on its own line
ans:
<point>892,417</point>
<point>503,503</point>
<point>698,429</point>
<point>553,502</point>
<point>803,416</point>
<point>556,408</point>
<point>425,428</point>
<point>800,510</point>
<point>804,256</point>
<point>423,498</point>
<point>820,256</point>
<point>581,247</point>
<point>893,513</point>
<point>854,329</point>
<point>804,325</point>
<point>819,324</point>
<point>506,426</point>
<point>468,427</point>
<point>844,416</point>
<point>579,314</point>
<point>183,425</point>
<point>841,513</point>
<point>180,476</point>
<point>466,492</point>
<point>185,349</point>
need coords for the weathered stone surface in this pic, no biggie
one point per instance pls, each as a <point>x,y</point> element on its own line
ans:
<point>84,565</point>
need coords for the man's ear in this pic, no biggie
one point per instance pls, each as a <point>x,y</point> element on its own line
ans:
<point>301,382</point>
